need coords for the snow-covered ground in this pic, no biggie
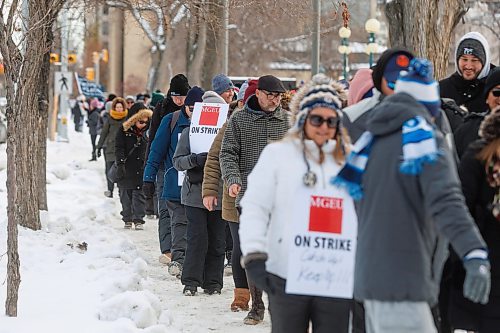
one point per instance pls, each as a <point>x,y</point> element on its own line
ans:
<point>117,284</point>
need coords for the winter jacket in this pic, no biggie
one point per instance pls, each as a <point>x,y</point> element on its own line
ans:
<point>212,177</point>
<point>166,106</point>
<point>184,161</point>
<point>468,93</point>
<point>248,132</point>
<point>468,132</point>
<point>267,205</point>
<point>107,138</point>
<point>405,221</point>
<point>93,121</point>
<point>478,196</point>
<point>162,153</point>
<point>126,139</point>
<point>355,116</point>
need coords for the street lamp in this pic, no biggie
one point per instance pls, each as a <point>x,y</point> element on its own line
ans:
<point>372,26</point>
<point>344,49</point>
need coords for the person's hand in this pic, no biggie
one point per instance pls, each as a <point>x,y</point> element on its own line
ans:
<point>201,159</point>
<point>210,202</point>
<point>234,190</point>
<point>120,171</point>
<point>148,188</point>
<point>477,282</point>
<point>99,152</point>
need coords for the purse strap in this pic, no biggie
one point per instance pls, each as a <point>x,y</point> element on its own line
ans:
<point>133,148</point>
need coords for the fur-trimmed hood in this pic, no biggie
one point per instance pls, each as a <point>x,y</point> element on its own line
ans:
<point>118,100</point>
<point>140,114</point>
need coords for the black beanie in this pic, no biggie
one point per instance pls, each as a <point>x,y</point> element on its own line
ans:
<point>179,85</point>
<point>135,108</point>
<point>492,81</point>
<point>379,68</point>
<point>470,46</point>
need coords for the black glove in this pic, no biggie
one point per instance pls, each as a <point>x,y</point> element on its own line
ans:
<point>120,171</point>
<point>198,159</point>
<point>148,188</point>
<point>256,272</point>
<point>99,152</point>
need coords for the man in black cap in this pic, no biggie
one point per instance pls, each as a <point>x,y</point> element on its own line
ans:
<point>384,74</point>
<point>472,63</point>
<point>248,131</point>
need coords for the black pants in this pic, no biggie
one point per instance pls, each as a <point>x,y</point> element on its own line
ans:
<point>292,313</point>
<point>229,238</point>
<point>239,275</point>
<point>111,185</point>
<point>93,139</point>
<point>150,206</point>
<point>204,261</point>
<point>132,205</point>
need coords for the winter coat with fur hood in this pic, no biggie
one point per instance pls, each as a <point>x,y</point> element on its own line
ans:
<point>126,139</point>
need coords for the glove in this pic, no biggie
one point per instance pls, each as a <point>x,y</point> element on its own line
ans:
<point>120,171</point>
<point>199,159</point>
<point>477,282</point>
<point>148,188</point>
<point>99,152</point>
<point>256,270</point>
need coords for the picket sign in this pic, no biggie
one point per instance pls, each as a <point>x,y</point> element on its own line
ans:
<point>206,121</point>
<point>322,238</point>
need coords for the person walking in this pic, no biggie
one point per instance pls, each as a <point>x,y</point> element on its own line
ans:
<point>107,139</point>
<point>93,122</point>
<point>405,225</point>
<point>248,132</point>
<point>303,162</point>
<point>130,154</point>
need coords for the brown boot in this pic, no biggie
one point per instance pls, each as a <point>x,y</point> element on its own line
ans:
<point>256,314</point>
<point>241,299</point>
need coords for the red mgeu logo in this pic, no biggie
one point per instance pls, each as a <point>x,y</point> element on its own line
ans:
<point>325,214</point>
<point>209,115</point>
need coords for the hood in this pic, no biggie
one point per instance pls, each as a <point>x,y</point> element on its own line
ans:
<point>118,100</point>
<point>138,115</point>
<point>480,38</point>
<point>212,97</point>
<point>390,114</point>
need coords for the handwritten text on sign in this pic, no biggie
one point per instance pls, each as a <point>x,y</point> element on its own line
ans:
<point>323,245</point>
<point>206,121</point>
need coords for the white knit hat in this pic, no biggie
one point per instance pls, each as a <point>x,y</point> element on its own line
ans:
<point>321,91</point>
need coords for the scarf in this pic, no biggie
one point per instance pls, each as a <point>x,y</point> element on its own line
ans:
<point>419,147</point>
<point>118,115</point>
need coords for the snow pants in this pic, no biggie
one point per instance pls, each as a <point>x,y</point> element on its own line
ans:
<point>204,262</point>
<point>178,229</point>
<point>132,205</point>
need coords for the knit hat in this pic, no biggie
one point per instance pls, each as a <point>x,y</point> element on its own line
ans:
<point>252,87</point>
<point>361,84</point>
<point>477,45</point>
<point>135,108</point>
<point>94,103</point>
<point>321,91</point>
<point>395,59</point>
<point>419,83</point>
<point>179,85</point>
<point>492,81</point>
<point>194,95</point>
<point>107,106</point>
<point>157,97</point>
<point>241,93</point>
<point>212,97</point>
<point>221,83</point>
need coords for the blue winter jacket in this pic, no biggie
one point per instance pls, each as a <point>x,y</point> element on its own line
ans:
<point>162,150</point>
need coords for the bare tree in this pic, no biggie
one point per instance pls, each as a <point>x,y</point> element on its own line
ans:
<point>24,72</point>
<point>425,27</point>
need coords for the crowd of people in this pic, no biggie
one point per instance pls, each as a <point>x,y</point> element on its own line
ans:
<point>408,165</point>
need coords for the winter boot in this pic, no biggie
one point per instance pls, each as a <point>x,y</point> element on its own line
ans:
<point>108,194</point>
<point>190,290</point>
<point>256,314</point>
<point>213,291</point>
<point>241,299</point>
<point>165,258</point>
<point>128,225</point>
<point>94,157</point>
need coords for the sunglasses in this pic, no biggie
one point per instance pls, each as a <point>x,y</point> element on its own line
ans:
<point>496,92</point>
<point>317,121</point>
<point>142,122</point>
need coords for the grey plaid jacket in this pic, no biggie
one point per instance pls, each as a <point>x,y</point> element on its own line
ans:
<point>248,132</point>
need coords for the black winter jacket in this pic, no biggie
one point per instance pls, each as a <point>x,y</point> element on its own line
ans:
<point>163,108</point>
<point>134,164</point>
<point>467,133</point>
<point>464,92</point>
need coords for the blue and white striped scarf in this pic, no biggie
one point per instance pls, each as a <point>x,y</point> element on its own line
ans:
<point>419,147</point>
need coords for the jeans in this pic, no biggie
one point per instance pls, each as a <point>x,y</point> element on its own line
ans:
<point>179,226</point>
<point>164,227</point>
<point>292,313</point>
<point>239,275</point>
<point>93,139</point>
<point>132,205</point>
<point>204,262</point>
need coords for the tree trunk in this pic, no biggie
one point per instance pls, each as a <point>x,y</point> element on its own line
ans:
<point>196,43</point>
<point>154,69</point>
<point>212,63</point>
<point>425,27</point>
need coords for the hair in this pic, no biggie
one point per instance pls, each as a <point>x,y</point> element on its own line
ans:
<point>490,152</point>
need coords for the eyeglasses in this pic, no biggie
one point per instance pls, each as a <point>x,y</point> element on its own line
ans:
<point>496,92</point>
<point>317,121</point>
<point>271,95</point>
<point>142,122</point>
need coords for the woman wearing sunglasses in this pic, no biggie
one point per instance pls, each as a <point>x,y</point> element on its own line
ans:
<point>288,250</point>
<point>130,150</point>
